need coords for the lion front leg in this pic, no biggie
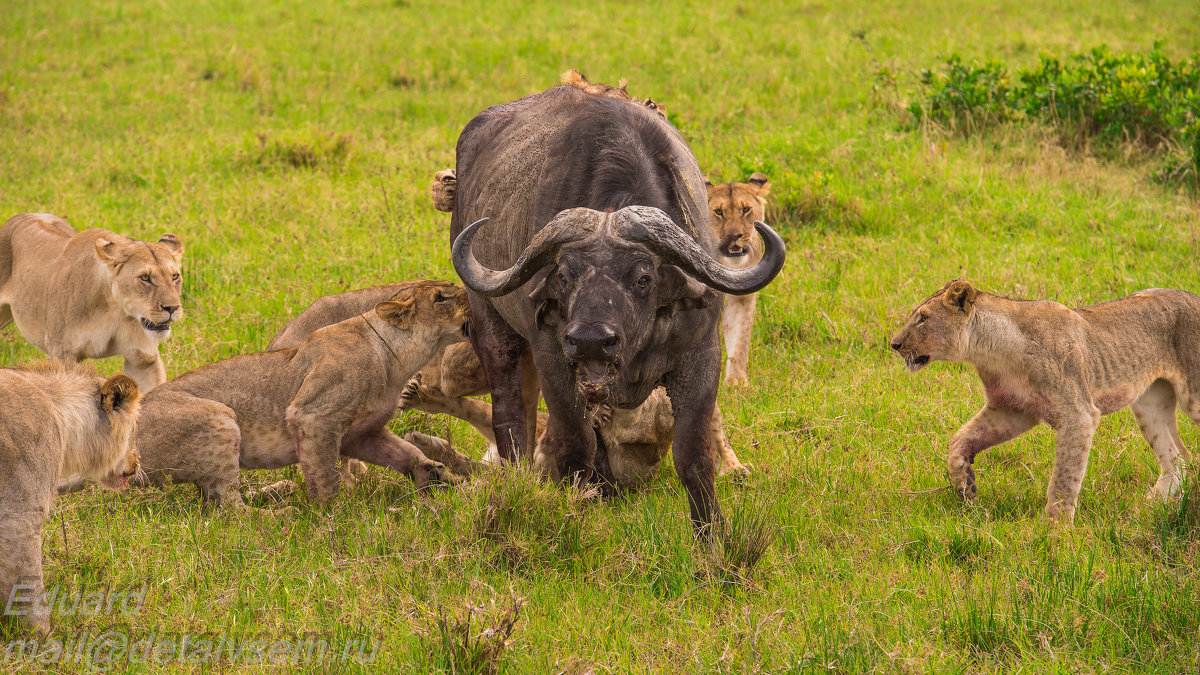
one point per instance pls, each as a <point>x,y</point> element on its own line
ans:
<point>21,584</point>
<point>1071,451</point>
<point>737,324</point>
<point>990,426</point>
<point>146,368</point>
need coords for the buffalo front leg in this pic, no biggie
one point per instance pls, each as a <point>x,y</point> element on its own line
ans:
<point>990,426</point>
<point>1071,451</point>
<point>693,393</point>
<point>501,352</point>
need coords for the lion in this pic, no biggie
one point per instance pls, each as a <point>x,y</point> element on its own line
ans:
<point>1041,361</point>
<point>636,439</point>
<point>90,294</point>
<point>574,78</point>
<point>735,207</point>
<point>328,397</point>
<point>60,419</point>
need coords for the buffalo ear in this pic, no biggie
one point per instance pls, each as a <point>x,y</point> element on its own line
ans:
<point>110,252</point>
<point>678,292</point>
<point>544,294</point>
<point>119,393</point>
<point>173,244</point>
<point>960,295</point>
<point>399,311</point>
<point>760,183</point>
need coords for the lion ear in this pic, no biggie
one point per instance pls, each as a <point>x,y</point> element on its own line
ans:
<point>398,311</point>
<point>959,295</point>
<point>710,188</point>
<point>173,244</point>
<point>110,252</point>
<point>119,393</point>
<point>760,183</point>
<point>574,78</point>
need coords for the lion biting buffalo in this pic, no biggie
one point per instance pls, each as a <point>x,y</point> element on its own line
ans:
<point>581,229</point>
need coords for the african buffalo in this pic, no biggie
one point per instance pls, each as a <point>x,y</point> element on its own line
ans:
<point>581,229</point>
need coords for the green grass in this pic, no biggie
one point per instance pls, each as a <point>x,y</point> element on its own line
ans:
<point>291,146</point>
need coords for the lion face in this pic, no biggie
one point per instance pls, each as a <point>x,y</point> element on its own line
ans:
<point>146,280</point>
<point>937,328</point>
<point>437,305</point>
<point>734,208</point>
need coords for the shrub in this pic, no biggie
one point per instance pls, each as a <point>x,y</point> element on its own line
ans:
<point>1144,98</point>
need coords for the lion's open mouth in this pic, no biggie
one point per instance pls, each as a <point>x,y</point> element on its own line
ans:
<point>594,379</point>
<point>917,362</point>
<point>150,325</point>
<point>736,251</point>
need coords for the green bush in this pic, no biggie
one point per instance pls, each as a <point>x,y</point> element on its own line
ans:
<point>1144,98</point>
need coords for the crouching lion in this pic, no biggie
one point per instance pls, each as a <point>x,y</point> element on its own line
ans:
<point>328,397</point>
<point>636,439</point>
<point>91,294</point>
<point>1044,362</point>
<point>60,419</point>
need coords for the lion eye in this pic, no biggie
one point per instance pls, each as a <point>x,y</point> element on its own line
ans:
<point>921,319</point>
<point>719,213</point>
<point>745,210</point>
<point>175,277</point>
<point>440,298</point>
<point>145,278</point>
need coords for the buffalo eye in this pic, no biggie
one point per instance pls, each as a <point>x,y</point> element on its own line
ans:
<point>644,281</point>
<point>145,278</point>
<point>745,210</point>
<point>719,213</point>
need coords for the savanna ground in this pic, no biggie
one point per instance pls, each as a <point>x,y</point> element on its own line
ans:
<point>290,145</point>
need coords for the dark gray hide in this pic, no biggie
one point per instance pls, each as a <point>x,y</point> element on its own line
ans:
<point>595,296</point>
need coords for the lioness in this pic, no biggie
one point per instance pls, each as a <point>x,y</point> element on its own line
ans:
<point>59,419</point>
<point>636,440</point>
<point>91,294</point>
<point>331,396</point>
<point>735,207</point>
<point>1041,361</point>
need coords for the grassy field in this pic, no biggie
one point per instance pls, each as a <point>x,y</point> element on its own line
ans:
<point>291,145</point>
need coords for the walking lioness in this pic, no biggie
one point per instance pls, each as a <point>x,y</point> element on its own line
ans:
<point>90,294</point>
<point>56,420</point>
<point>330,396</point>
<point>1041,361</point>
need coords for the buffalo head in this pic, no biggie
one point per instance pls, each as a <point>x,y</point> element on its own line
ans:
<point>607,283</point>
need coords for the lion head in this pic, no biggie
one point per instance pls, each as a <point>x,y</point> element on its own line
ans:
<point>937,328</point>
<point>146,280</point>
<point>437,305</point>
<point>734,208</point>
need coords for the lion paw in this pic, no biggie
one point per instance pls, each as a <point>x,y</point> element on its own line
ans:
<point>736,472</point>
<point>411,393</point>
<point>601,415</point>
<point>445,185</point>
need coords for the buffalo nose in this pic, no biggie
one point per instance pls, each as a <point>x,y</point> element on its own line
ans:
<point>592,340</point>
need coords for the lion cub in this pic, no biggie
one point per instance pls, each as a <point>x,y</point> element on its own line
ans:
<point>1043,362</point>
<point>735,207</point>
<point>91,294</point>
<point>59,419</point>
<point>328,397</point>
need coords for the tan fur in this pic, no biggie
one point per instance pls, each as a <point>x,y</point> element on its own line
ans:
<point>329,397</point>
<point>84,295</point>
<point>1043,362</point>
<point>58,419</point>
<point>574,78</point>
<point>734,208</point>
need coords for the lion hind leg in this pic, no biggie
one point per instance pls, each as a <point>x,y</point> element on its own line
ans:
<point>192,440</point>
<point>1154,411</point>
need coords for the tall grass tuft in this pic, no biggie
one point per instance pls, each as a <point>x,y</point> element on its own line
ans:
<point>455,647</point>
<point>740,543</point>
